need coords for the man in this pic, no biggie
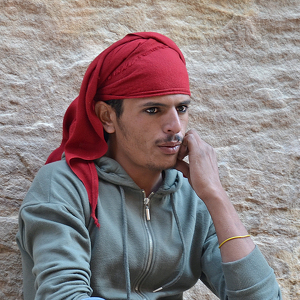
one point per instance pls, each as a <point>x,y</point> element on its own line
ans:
<point>121,215</point>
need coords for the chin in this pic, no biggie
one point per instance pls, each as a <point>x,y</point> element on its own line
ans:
<point>171,164</point>
<point>163,163</point>
<point>166,166</point>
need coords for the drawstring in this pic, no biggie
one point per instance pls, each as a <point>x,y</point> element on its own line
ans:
<point>183,260</point>
<point>125,248</point>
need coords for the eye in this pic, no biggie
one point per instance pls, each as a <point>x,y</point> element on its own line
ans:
<point>182,108</point>
<point>152,110</point>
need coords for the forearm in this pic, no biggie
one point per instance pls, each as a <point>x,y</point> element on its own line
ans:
<point>243,278</point>
<point>203,175</point>
<point>228,224</point>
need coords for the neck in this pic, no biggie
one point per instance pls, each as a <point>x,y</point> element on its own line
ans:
<point>147,179</point>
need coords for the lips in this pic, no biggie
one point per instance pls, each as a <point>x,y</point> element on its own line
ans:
<point>170,147</point>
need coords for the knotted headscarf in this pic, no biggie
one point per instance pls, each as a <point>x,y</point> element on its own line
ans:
<point>144,64</point>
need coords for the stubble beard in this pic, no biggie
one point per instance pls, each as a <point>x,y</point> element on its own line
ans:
<point>156,167</point>
<point>153,166</point>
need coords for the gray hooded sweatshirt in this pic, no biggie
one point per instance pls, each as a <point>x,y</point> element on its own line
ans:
<point>146,248</point>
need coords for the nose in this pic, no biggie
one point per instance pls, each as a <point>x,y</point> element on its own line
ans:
<point>172,122</point>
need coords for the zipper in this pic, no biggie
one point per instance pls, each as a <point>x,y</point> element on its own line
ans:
<point>146,204</point>
<point>150,240</point>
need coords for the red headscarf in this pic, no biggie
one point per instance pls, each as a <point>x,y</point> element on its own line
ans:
<point>143,64</point>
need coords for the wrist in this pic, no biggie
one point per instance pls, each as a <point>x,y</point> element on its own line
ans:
<point>214,197</point>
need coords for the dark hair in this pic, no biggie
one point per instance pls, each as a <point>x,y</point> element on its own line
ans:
<point>117,105</point>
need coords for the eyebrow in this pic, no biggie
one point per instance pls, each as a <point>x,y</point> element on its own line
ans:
<point>150,103</point>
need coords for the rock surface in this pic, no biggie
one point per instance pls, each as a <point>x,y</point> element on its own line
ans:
<point>243,61</point>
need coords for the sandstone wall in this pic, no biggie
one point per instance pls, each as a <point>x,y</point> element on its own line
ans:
<point>243,60</point>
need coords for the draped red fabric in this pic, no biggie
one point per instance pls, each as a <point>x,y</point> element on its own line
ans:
<point>143,64</point>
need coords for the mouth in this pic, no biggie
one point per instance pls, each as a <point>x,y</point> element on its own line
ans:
<point>170,147</point>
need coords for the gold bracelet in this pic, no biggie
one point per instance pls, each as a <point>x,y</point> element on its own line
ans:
<point>232,238</point>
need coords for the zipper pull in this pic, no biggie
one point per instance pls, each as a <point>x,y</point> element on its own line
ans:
<point>147,210</point>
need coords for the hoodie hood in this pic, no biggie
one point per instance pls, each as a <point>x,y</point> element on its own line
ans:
<point>111,171</point>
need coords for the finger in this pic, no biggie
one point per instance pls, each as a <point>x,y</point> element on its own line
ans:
<point>183,151</point>
<point>183,167</point>
<point>184,148</point>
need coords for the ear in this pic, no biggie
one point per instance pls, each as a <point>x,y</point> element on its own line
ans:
<point>106,115</point>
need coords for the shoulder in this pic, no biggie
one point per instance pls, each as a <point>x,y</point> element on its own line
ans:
<point>54,170</point>
<point>55,183</point>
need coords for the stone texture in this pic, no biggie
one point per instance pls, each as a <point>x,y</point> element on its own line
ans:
<point>243,61</point>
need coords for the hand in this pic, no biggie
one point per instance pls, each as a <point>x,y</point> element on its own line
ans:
<point>202,170</point>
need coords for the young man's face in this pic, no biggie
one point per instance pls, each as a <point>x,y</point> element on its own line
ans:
<point>149,132</point>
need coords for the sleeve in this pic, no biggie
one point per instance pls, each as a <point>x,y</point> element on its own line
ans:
<point>246,279</point>
<point>54,239</point>
<point>251,278</point>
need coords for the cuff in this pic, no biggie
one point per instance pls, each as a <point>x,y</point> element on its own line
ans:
<point>251,276</point>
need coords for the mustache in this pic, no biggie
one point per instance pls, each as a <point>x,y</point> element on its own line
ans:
<point>170,138</point>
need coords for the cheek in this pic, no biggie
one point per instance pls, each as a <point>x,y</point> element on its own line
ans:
<point>134,138</point>
<point>142,140</point>
<point>184,124</point>
<point>143,143</point>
